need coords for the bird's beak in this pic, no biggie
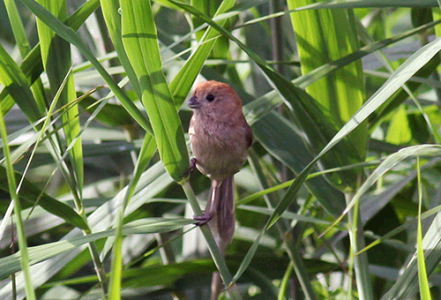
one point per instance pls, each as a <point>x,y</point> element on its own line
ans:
<point>193,103</point>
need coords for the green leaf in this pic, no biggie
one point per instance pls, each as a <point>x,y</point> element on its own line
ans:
<point>147,151</point>
<point>153,181</point>
<point>24,47</point>
<point>56,58</point>
<point>111,114</point>
<point>32,66</point>
<point>370,4</point>
<point>399,132</point>
<point>422,272</point>
<point>407,285</point>
<point>32,194</point>
<point>324,36</point>
<point>266,103</point>
<point>69,35</point>
<point>12,187</point>
<point>400,76</point>
<point>141,43</point>
<point>17,85</point>
<point>11,263</point>
<point>280,137</point>
<point>401,95</point>
<point>113,21</point>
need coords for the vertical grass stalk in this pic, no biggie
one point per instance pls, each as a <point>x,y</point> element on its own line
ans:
<point>24,257</point>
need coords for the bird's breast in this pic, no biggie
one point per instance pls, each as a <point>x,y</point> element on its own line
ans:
<point>220,149</point>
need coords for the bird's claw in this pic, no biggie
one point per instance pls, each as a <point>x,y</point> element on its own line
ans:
<point>203,219</point>
<point>191,168</point>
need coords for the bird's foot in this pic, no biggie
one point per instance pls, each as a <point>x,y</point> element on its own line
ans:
<point>203,219</point>
<point>191,168</point>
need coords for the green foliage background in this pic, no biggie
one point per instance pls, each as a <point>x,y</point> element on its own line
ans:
<point>341,194</point>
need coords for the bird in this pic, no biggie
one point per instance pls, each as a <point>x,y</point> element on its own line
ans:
<point>219,139</point>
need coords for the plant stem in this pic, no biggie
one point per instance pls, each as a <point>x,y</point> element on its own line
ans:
<point>218,258</point>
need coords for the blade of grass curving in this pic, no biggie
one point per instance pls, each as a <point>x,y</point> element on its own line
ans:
<point>398,78</point>
<point>183,81</point>
<point>24,257</point>
<point>69,35</point>
<point>384,167</point>
<point>141,43</point>
<point>422,272</point>
<point>407,90</point>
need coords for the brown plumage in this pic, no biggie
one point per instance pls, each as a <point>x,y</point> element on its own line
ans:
<point>219,138</point>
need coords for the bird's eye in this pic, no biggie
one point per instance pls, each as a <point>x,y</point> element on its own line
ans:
<point>210,97</point>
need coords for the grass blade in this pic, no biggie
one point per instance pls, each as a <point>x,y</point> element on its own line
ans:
<point>12,186</point>
<point>17,85</point>
<point>69,35</point>
<point>422,272</point>
<point>141,43</point>
<point>56,57</point>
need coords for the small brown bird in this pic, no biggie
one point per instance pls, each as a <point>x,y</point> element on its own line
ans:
<point>219,138</point>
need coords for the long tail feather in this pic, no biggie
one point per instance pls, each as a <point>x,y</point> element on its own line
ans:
<point>221,207</point>
<point>226,219</point>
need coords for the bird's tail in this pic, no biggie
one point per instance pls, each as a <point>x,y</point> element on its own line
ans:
<point>223,223</point>
<point>223,210</point>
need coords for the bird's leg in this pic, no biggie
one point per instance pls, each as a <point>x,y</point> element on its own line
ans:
<point>190,170</point>
<point>206,216</point>
<point>210,210</point>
